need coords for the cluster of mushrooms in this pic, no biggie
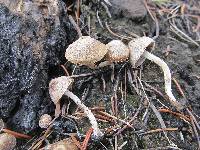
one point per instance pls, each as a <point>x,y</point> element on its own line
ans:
<point>87,51</point>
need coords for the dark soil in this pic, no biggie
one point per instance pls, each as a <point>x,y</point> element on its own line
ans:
<point>31,51</point>
<point>32,47</point>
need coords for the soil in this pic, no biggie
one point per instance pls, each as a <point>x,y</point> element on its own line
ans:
<point>32,50</point>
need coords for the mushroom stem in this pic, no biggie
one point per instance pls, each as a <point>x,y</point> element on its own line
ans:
<point>167,78</point>
<point>57,110</point>
<point>97,133</point>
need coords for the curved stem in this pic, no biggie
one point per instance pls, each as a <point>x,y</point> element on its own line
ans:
<point>97,133</point>
<point>167,77</point>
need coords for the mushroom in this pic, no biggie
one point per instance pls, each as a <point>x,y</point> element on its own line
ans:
<point>138,52</point>
<point>117,52</point>
<point>86,51</point>
<point>7,141</point>
<point>66,144</point>
<point>137,48</point>
<point>45,121</point>
<point>59,87</point>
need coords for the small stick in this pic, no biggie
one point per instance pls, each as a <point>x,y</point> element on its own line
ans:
<point>132,119</point>
<point>162,123</point>
<point>99,20</point>
<point>78,11</point>
<point>89,30</point>
<point>104,83</point>
<point>131,33</point>
<point>107,10</point>
<point>16,134</point>
<point>194,119</point>
<point>154,19</point>
<point>179,87</point>
<point>82,75</point>
<point>116,143</point>
<point>105,118</point>
<point>184,35</point>
<point>155,90</point>
<point>97,108</point>
<point>195,131</point>
<point>121,146</point>
<point>41,139</point>
<point>115,34</point>
<point>115,118</point>
<point>156,112</point>
<point>159,130</point>
<point>174,113</point>
<point>69,7</point>
<point>75,26</point>
<point>87,137</point>
<point>66,72</point>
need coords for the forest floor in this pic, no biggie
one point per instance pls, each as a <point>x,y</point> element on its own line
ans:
<point>119,93</point>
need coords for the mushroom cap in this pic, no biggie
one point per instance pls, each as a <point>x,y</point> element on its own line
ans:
<point>7,141</point>
<point>58,86</point>
<point>117,51</point>
<point>137,48</point>
<point>45,120</point>
<point>66,144</point>
<point>85,51</point>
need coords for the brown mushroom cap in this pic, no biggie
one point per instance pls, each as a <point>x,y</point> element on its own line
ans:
<point>137,48</point>
<point>58,86</point>
<point>66,144</point>
<point>85,51</point>
<point>7,141</point>
<point>117,51</point>
<point>44,121</point>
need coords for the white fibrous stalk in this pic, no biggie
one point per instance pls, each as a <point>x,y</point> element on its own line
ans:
<point>59,87</point>
<point>96,132</point>
<point>167,77</point>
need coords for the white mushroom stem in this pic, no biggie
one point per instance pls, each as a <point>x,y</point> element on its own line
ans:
<point>167,77</point>
<point>96,132</point>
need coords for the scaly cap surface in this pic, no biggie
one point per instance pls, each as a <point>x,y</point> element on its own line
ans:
<point>7,141</point>
<point>85,51</point>
<point>58,86</point>
<point>137,48</point>
<point>117,51</point>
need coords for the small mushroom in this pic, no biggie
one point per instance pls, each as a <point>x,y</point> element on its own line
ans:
<point>137,48</point>
<point>45,121</point>
<point>86,51</point>
<point>7,141</point>
<point>117,52</point>
<point>59,87</point>
<point>66,144</point>
<point>138,53</point>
